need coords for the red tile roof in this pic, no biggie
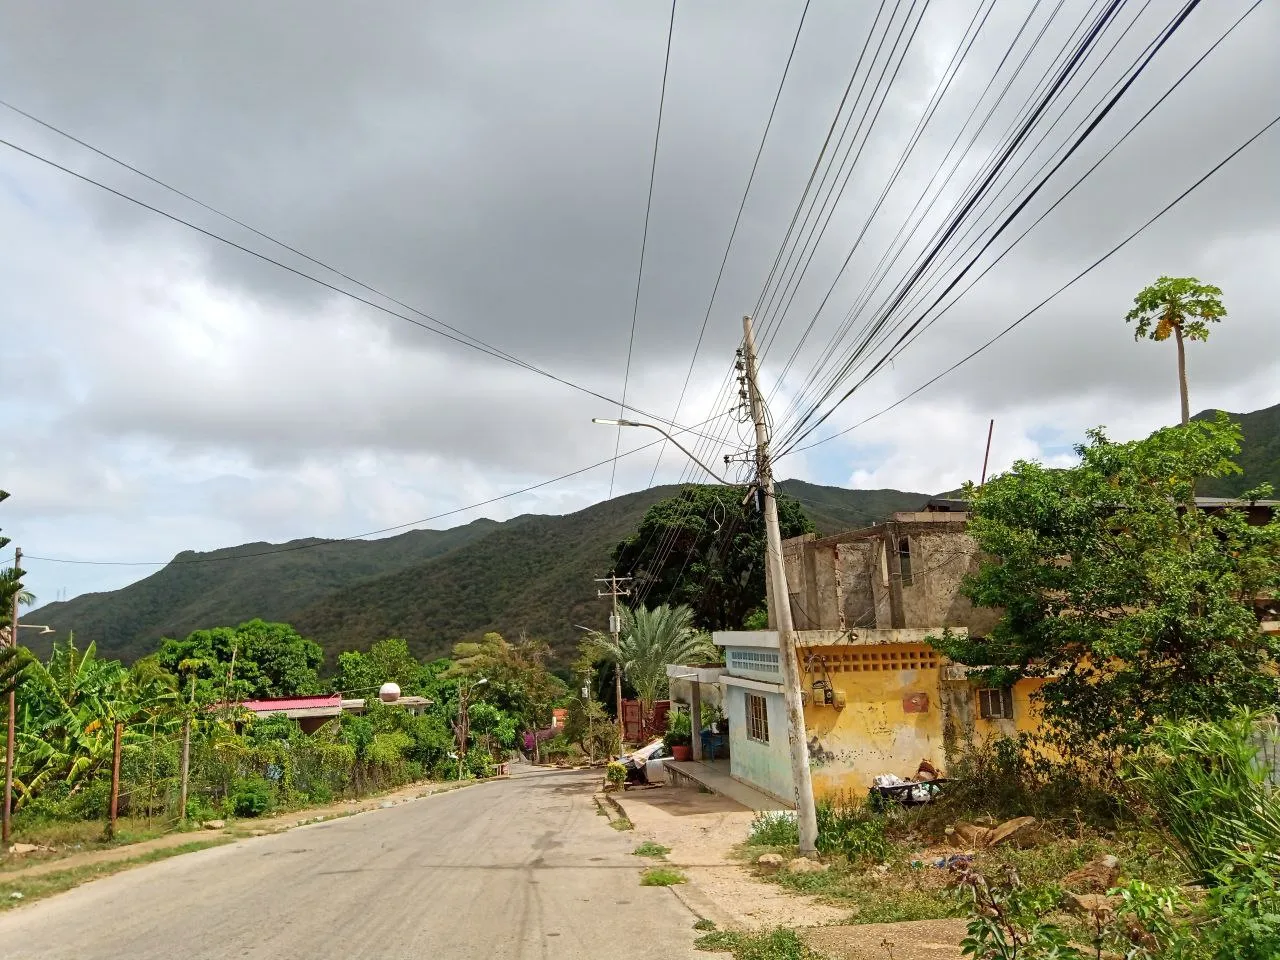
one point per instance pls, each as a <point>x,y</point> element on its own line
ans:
<point>280,704</point>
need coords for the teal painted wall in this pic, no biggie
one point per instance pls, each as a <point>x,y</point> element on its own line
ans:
<point>766,766</point>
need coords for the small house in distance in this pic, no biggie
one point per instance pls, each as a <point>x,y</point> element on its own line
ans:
<point>311,713</point>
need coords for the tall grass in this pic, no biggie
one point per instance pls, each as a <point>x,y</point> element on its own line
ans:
<point>1211,793</point>
<point>847,826</point>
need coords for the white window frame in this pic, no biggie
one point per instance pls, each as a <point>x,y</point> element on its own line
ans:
<point>757,715</point>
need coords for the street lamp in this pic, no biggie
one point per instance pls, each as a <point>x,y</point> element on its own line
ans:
<point>36,626</point>
<point>679,445</point>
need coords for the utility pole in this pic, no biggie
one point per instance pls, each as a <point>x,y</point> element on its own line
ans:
<point>13,710</point>
<point>464,722</point>
<point>615,627</point>
<point>780,603</point>
<point>591,736</point>
<point>186,753</point>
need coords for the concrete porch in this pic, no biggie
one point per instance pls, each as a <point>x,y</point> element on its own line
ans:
<point>713,775</point>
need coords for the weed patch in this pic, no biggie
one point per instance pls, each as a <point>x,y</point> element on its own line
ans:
<point>779,944</point>
<point>703,924</point>
<point>47,884</point>
<point>650,849</point>
<point>773,828</point>
<point>622,823</point>
<point>662,877</point>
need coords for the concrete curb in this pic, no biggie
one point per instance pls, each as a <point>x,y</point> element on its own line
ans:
<point>612,809</point>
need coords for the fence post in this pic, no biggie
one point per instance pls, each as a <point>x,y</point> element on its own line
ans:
<point>115,779</point>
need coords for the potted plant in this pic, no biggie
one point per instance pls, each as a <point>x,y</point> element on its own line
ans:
<point>679,735</point>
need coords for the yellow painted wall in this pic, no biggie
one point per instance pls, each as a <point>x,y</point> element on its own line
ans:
<point>874,733</point>
<point>1026,717</point>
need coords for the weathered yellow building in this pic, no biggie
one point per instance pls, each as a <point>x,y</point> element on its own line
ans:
<point>878,698</point>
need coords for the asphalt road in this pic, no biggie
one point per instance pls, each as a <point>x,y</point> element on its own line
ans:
<point>519,868</point>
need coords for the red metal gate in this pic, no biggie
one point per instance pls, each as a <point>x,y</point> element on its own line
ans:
<point>636,729</point>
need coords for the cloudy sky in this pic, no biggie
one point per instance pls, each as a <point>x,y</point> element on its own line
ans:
<point>488,163</point>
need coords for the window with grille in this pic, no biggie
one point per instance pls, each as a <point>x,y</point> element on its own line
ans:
<point>757,718</point>
<point>762,661</point>
<point>851,659</point>
<point>995,703</point>
<point>904,560</point>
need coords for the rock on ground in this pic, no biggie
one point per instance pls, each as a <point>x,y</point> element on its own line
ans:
<point>1097,876</point>
<point>770,862</point>
<point>805,865</point>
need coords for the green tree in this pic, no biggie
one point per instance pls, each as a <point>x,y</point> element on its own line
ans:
<point>587,722</point>
<point>361,673</point>
<point>1133,607</point>
<point>270,660</point>
<point>1182,307</point>
<point>519,682</point>
<point>648,641</point>
<point>705,549</point>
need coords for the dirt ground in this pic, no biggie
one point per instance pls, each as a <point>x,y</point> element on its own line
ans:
<point>43,863</point>
<point>702,829</point>
<point>915,940</point>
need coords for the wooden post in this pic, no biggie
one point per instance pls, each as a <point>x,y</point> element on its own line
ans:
<point>115,778</point>
<point>186,769</point>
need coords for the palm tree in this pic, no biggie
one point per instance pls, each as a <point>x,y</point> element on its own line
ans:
<point>1182,306</point>
<point>650,639</point>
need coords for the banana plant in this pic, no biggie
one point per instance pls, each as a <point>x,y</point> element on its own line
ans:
<point>68,711</point>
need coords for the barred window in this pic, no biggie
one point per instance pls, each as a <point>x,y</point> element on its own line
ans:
<point>995,703</point>
<point>757,718</point>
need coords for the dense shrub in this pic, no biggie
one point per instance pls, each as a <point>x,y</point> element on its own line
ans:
<point>251,797</point>
<point>849,827</point>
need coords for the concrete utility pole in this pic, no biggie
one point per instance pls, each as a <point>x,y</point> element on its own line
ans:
<point>185,768</point>
<point>12,715</point>
<point>780,603</point>
<point>615,627</point>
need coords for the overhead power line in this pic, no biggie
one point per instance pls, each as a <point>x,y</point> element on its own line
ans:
<point>1093,266</point>
<point>430,324</point>
<point>810,421</point>
<point>733,233</point>
<point>359,536</point>
<point>644,241</point>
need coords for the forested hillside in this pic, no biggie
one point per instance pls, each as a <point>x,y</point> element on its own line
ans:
<point>532,573</point>
<point>1259,455</point>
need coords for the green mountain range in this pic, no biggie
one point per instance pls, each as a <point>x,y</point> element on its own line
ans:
<point>1259,453</point>
<point>532,573</point>
<point>433,587</point>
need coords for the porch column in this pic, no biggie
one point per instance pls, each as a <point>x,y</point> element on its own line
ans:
<point>695,716</point>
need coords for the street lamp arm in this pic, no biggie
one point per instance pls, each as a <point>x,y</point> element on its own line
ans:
<point>681,447</point>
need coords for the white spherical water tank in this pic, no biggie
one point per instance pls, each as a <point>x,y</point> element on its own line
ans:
<point>389,692</point>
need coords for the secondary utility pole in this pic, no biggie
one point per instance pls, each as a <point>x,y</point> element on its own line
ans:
<point>12,715</point>
<point>615,627</point>
<point>780,604</point>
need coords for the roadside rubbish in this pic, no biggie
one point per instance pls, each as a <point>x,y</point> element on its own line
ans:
<point>956,860</point>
